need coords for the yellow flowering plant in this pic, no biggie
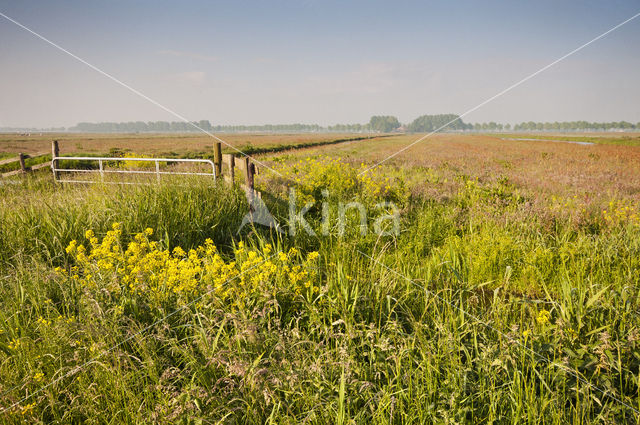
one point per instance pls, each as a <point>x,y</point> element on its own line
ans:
<point>312,175</point>
<point>148,272</point>
<point>136,165</point>
<point>543,317</point>
<point>620,213</point>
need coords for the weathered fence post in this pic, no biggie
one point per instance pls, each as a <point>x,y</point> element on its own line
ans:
<point>252,173</point>
<point>232,166</point>
<point>229,159</point>
<point>246,167</point>
<point>55,151</point>
<point>21,158</point>
<point>217,158</point>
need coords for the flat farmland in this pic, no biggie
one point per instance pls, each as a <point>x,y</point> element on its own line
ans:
<point>593,173</point>
<point>468,279</point>
<point>153,144</point>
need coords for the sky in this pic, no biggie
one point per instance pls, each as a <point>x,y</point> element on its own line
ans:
<point>317,61</point>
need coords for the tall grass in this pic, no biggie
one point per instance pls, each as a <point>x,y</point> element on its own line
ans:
<point>475,313</point>
<point>39,218</point>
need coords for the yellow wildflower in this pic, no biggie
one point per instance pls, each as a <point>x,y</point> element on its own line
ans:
<point>543,317</point>
<point>27,408</point>
<point>71,248</point>
<point>43,321</point>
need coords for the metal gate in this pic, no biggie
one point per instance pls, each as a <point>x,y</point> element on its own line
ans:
<point>102,171</point>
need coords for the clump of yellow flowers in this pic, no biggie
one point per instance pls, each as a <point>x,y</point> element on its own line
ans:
<point>543,317</point>
<point>312,175</point>
<point>134,165</point>
<point>144,268</point>
<point>619,212</point>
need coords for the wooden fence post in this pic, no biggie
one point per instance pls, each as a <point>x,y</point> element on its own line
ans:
<point>229,160</point>
<point>21,158</point>
<point>252,173</point>
<point>232,165</point>
<point>217,158</point>
<point>248,177</point>
<point>55,151</point>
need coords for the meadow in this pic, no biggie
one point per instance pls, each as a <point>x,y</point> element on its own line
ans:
<point>510,293</point>
<point>171,145</point>
<point>622,138</point>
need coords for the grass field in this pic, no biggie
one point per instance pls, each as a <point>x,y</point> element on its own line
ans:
<point>510,293</point>
<point>156,144</point>
<point>622,138</point>
<point>159,145</point>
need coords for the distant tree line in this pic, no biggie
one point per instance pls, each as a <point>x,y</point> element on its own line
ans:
<point>349,128</point>
<point>575,125</point>
<point>442,122</point>
<point>278,128</point>
<point>556,126</point>
<point>182,127</point>
<point>383,123</point>
<point>195,126</point>
<point>450,122</point>
<point>377,123</point>
<point>141,126</point>
<point>32,129</point>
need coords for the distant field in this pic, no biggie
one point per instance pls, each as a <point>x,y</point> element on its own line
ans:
<point>609,138</point>
<point>537,168</point>
<point>158,144</point>
<point>608,168</point>
<point>194,143</point>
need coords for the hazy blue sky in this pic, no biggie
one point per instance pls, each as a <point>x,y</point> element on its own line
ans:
<point>254,62</point>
